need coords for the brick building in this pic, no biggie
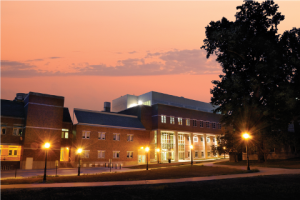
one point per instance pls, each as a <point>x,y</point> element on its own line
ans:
<point>170,126</point>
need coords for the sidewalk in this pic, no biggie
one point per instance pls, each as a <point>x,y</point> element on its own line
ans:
<point>263,172</point>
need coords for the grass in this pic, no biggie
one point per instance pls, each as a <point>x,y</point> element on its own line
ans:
<point>260,187</point>
<point>184,171</point>
<point>288,164</point>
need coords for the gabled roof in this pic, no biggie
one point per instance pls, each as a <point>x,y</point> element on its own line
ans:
<point>12,108</point>
<point>107,119</point>
<point>66,115</point>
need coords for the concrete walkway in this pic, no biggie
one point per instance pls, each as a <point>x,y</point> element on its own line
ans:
<point>263,172</point>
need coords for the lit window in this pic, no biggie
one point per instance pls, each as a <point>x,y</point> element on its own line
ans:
<point>85,153</point>
<point>65,133</point>
<point>86,134</point>
<point>195,138</point>
<point>201,124</point>
<point>101,135</point>
<point>194,122</point>
<point>214,139</point>
<point>219,126</point>
<point>117,136</point>
<point>213,125</point>
<point>147,103</point>
<point>101,154</point>
<point>207,124</point>
<point>172,120</point>
<point>130,138</point>
<point>187,122</point>
<point>179,120</point>
<point>207,139</point>
<point>163,119</point>
<point>129,154</point>
<point>155,137</point>
<point>208,154</point>
<point>17,131</point>
<point>116,154</point>
<point>196,154</point>
<point>201,138</point>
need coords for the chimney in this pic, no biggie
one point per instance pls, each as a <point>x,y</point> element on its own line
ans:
<point>106,106</point>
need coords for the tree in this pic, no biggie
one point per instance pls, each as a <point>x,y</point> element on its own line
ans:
<point>259,90</point>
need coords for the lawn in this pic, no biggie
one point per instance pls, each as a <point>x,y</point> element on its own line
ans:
<point>160,173</point>
<point>260,187</point>
<point>288,164</point>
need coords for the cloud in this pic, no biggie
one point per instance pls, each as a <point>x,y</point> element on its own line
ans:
<point>54,57</point>
<point>132,52</point>
<point>34,60</point>
<point>157,63</point>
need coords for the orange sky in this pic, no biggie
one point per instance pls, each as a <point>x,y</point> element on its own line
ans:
<point>91,52</point>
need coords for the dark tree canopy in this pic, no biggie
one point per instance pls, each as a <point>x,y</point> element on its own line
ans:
<point>259,90</point>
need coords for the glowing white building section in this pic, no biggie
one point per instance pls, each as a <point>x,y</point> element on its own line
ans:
<point>151,98</point>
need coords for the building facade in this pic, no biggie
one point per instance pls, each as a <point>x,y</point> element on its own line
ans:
<point>118,137</point>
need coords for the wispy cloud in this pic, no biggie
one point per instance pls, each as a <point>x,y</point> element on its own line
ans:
<point>132,52</point>
<point>54,57</point>
<point>157,63</point>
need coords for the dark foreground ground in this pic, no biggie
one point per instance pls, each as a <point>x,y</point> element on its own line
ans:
<point>261,187</point>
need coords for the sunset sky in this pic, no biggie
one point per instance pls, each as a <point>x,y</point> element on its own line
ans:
<point>91,52</point>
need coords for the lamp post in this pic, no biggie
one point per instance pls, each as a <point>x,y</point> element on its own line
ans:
<point>79,153</point>
<point>191,146</point>
<point>246,136</point>
<point>147,150</point>
<point>46,147</point>
<point>224,151</point>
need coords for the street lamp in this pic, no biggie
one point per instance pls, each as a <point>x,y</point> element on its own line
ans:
<point>191,146</point>
<point>157,150</point>
<point>147,150</point>
<point>246,136</point>
<point>46,147</point>
<point>224,151</point>
<point>79,153</point>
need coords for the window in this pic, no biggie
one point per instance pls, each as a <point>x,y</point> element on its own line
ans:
<point>194,122</point>
<point>208,154</point>
<point>65,133</point>
<point>179,120</point>
<point>85,153</point>
<point>187,122</point>
<point>155,137</point>
<point>201,138</point>
<point>129,154</point>
<point>101,135</point>
<point>86,134</point>
<point>207,139</point>
<point>219,126</point>
<point>213,125</point>
<point>129,138</point>
<point>116,154</point>
<point>117,136</point>
<point>147,103</point>
<point>214,139</point>
<point>163,119</point>
<point>202,154</point>
<point>196,154</point>
<point>195,138</point>
<point>13,151</point>
<point>201,124</point>
<point>101,154</point>
<point>172,120</point>
<point>2,130</point>
<point>207,124</point>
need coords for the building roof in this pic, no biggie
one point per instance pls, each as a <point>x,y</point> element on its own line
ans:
<point>66,115</point>
<point>107,119</point>
<point>12,108</point>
